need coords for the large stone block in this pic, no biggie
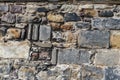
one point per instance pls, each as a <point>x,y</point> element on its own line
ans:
<point>16,8</point>
<point>106,13</point>
<point>112,73</point>
<point>4,8</point>
<point>93,39</point>
<point>115,39</point>
<point>14,49</point>
<point>106,57</point>
<point>35,31</point>
<point>106,23</point>
<point>45,32</point>
<point>73,56</point>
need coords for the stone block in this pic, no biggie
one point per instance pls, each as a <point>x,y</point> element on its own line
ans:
<point>91,73</point>
<point>105,13</point>
<point>57,36</point>
<point>11,49</point>
<point>16,8</point>
<point>54,56</point>
<point>42,9</point>
<point>112,73</point>
<point>115,39</point>
<point>44,33</point>
<point>67,26</point>
<point>41,44</point>
<point>107,57</point>
<point>55,26</point>
<point>71,17</point>
<point>29,32</point>
<point>93,39</point>
<point>21,25</point>
<point>9,18</point>
<point>22,18</point>
<point>35,31</point>
<point>103,6</point>
<point>106,23</point>
<point>73,56</point>
<point>4,8</point>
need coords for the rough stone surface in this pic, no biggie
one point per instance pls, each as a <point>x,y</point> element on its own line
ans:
<point>4,8</point>
<point>93,39</point>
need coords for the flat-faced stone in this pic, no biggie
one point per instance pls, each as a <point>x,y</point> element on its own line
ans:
<point>106,13</point>
<point>112,73</point>
<point>73,56</point>
<point>93,39</point>
<point>9,18</point>
<point>21,18</point>
<point>11,50</point>
<point>103,6</point>
<point>71,17</point>
<point>115,39</point>
<point>54,56</point>
<point>42,9</point>
<point>86,6</point>
<point>29,32</point>
<point>91,73</point>
<point>35,31</point>
<point>46,44</point>
<point>16,8</point>
<point>105,57</point>
<point>21,25</point>
<point>4,8</point>
<point>44,33</point>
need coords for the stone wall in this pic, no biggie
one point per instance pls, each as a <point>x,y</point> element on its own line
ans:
<point>59,41</point>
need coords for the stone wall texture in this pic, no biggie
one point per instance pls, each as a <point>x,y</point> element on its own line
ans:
<point>59,41</point>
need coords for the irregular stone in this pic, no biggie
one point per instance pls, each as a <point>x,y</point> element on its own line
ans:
<point>12,33</point>
<point>26,73</point>
<point>91,13</point>
<point>112,73</point>
<point>55,17</point>
<point>82,25</point>
<point>103,6</point>
<point>45,44</point>
<point>4,8</point>
<point>45,32</point>
<point>42,75</point>
<point>64,45</point>
<point>9,18</point>
<point>55,26</point>
<point>114,39</point>
<point>73,56</point>
<point>107,57</point>
<point>67,26</point>
<point>93,39</point>
<point>11,50</point>
<point>91,73</point>
<point>53,6</point>
<point>106,23</point>
<point>16,8</point>
<point>21,25</point>
<point>57,36</point>
<point>71,17</point>
<point>42,9</point>
<point>22,18</point>
<point>117,8</point>
<point>44,20</point>
<point>86,6</point>
<point>35,31</point>
<point>106,13</point>
<point>32,18</point>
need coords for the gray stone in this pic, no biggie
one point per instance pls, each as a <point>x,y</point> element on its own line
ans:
<point>35,31</point>
<point>9,18</point>
<point>93,39</point>
<point>4,8</point>
<point>106,13</point>
<point>73,56</point>
<point>107,57</point>
<point>22,34</point>
<point>16,8</point>
<point>29,33</point>
<point>112,73</point>
<point>82,25</point>
<point>45,33</point>
<point>91,73</point>
<point>106,23</point>
<point>54,56</point>
<point>21,18</point>
<point>46,44</point>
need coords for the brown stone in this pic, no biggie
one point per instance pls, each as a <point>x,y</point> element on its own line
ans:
<point>115,39</point>
<point>67,26</point>
<point>55,17</point>
<point>91,12</point>
<point>54,25</point>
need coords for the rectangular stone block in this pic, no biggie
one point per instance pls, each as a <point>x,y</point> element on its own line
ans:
<point>93,39</point>
<point>35,31</point>
<point>54,56</point>
<point>115,39</point>
<point>106,23</point>
<point>4,8</point>
<point>44,33</point>
<point>73,56</point>
<point>29,32</point>
<point>16,8</point>
<point>107,57</point>
<point>14,49</point>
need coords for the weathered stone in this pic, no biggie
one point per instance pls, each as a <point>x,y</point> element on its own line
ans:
<point>53,6</point>
<point>22,18</point>
<point>73,56</point>
<point>32,18</point>
<point>21,25</point>
<point>115,39</point>
<point>57,36</point>
<point>22,36</point>
<point>42,75</point>
<point>71,17</point>
<point>29,34</point>
<point>45,44</point>
<point>103,6</point>
<point>4,8</point>
<point>107,57</point>
<point>44,20</point>
<point>91,13</point>
<point>105,13</point>
<point>117,8</point>
<point>12,33</point>
<point>91,73</point>
<point>55,17</point>
<point>106,23</point>
<point>93,39</point>
<point>35,31</point>
<point>112,73</point>
<point>67,26</point>
<point>11,50</point>
<point>42,9</point>
<point>82,25</point>
<point>64,45</point>
<point>9,18</point>
<point>45,32</point>
<point>54,56</point>
<point>55,26</point>
<point>16,8</point>
<point>26,73</point>
<point>86,6</point>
